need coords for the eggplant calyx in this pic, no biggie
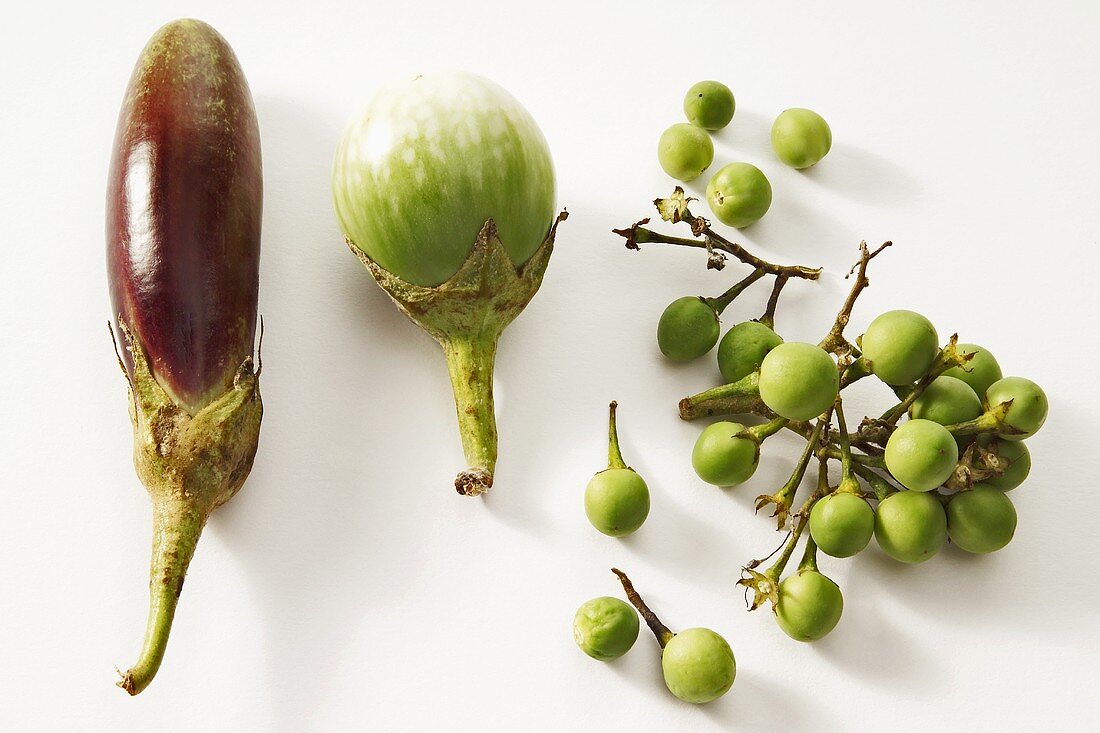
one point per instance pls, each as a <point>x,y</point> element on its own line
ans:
<point>190,465</point>
<point>466,314</point>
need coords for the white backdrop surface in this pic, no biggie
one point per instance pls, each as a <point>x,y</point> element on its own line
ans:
<point>347,584</point>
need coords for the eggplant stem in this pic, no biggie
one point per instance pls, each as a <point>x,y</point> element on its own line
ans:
<point>470,363</point>
<point>176,528</point>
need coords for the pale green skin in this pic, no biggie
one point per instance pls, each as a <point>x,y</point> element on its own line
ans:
<point>430,161</point>
<point>743,348</point>
<point>709,105</point>
<point>722,459</point>
<point>616,501</point>
<point>901,346</point>
<point>981,520</point>
<point>698,665</point>
<point>798,381</point>
<point>688,329</point>
<point>947,400</point>
<point>801,137</point>
<point>1019,466</point>
<point>981,371</point>
<point>605,628</point>
<point>910,527</point>
<point>809,606</point>
<point>921,455</point>
<point>685,151</point>
<point>1029,405</point>
<point>739,194</point>
<point>842,524</point>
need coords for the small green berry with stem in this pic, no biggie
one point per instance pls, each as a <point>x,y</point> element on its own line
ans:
<point>616,499</point>
<point>698,664</point>
<point>909,483</point>
<point>842,523</point>
<point>689,326</point>
<point>727,453</point>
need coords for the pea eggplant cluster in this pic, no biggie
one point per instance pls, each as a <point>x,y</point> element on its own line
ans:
<point>934,467</point>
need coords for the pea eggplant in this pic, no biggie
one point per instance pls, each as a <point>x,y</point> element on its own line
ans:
<point>445,190</point>
<point>184,204</point>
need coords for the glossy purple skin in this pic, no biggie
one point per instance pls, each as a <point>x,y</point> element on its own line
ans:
<point>184,202</point>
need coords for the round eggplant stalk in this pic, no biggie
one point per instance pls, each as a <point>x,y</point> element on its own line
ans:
<point>184,201</point>
<point>445,190</point>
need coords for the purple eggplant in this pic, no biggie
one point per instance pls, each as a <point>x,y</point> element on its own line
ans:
<point>184,203</point>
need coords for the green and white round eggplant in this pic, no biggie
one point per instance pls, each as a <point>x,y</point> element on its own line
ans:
<point>416,180</point>
<point>429,162</point>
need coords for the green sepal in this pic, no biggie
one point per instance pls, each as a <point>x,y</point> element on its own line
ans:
<point>466,314</point>
<point>190,465</point>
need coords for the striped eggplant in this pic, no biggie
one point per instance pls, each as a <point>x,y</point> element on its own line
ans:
<point>184,201</point>
<point>445,190</point>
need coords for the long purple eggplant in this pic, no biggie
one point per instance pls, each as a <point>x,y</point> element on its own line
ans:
<point>184,203</point>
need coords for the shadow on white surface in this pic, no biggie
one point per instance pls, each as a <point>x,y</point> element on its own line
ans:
<point>321,543</point>
<point>875,649</point>
<point>864,176</point>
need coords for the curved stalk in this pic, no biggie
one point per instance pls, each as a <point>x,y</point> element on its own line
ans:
<point>614,455</point>
<point>880,487</point>
<point>947,358</point>
<point>848,482</point>
<point>720,303</point>
<point>760,433</point>
<point>662,632</point>
<point>809,555</point>
<point>768,318</point>
<point>177,526</point>
<point>784,498</point>
<point>470,363</point>
<point>990,421</point>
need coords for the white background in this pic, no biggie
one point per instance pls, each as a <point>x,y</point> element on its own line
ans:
<point>348,583</point>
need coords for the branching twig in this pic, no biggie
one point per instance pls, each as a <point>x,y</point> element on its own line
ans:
<point>835,340</point>
<point>675,209</point>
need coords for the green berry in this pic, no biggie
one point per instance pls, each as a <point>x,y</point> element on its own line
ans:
<point>743,348</point>
<point>709,104</point>
<point>910,526</point>
<point>616,501</point>
<point>809,606</point>
<point>1029,405</point>
<point>739,194</point>
<point>921,455</point>
<point>981,520</point>
<point>947,400</point>
<point>981,371</point>
<point>685,151</point>
<point>842,524</point>
<point>801,137</point>
<point>1019,464</point>
<point>605,628</point>
<point>901,346</point>
<point>698,666</point>
<point>688,329</point>
<point>798,381</point>
<point>722,458</point>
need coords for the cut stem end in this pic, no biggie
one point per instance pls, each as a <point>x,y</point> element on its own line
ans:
<point>470,363</point>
